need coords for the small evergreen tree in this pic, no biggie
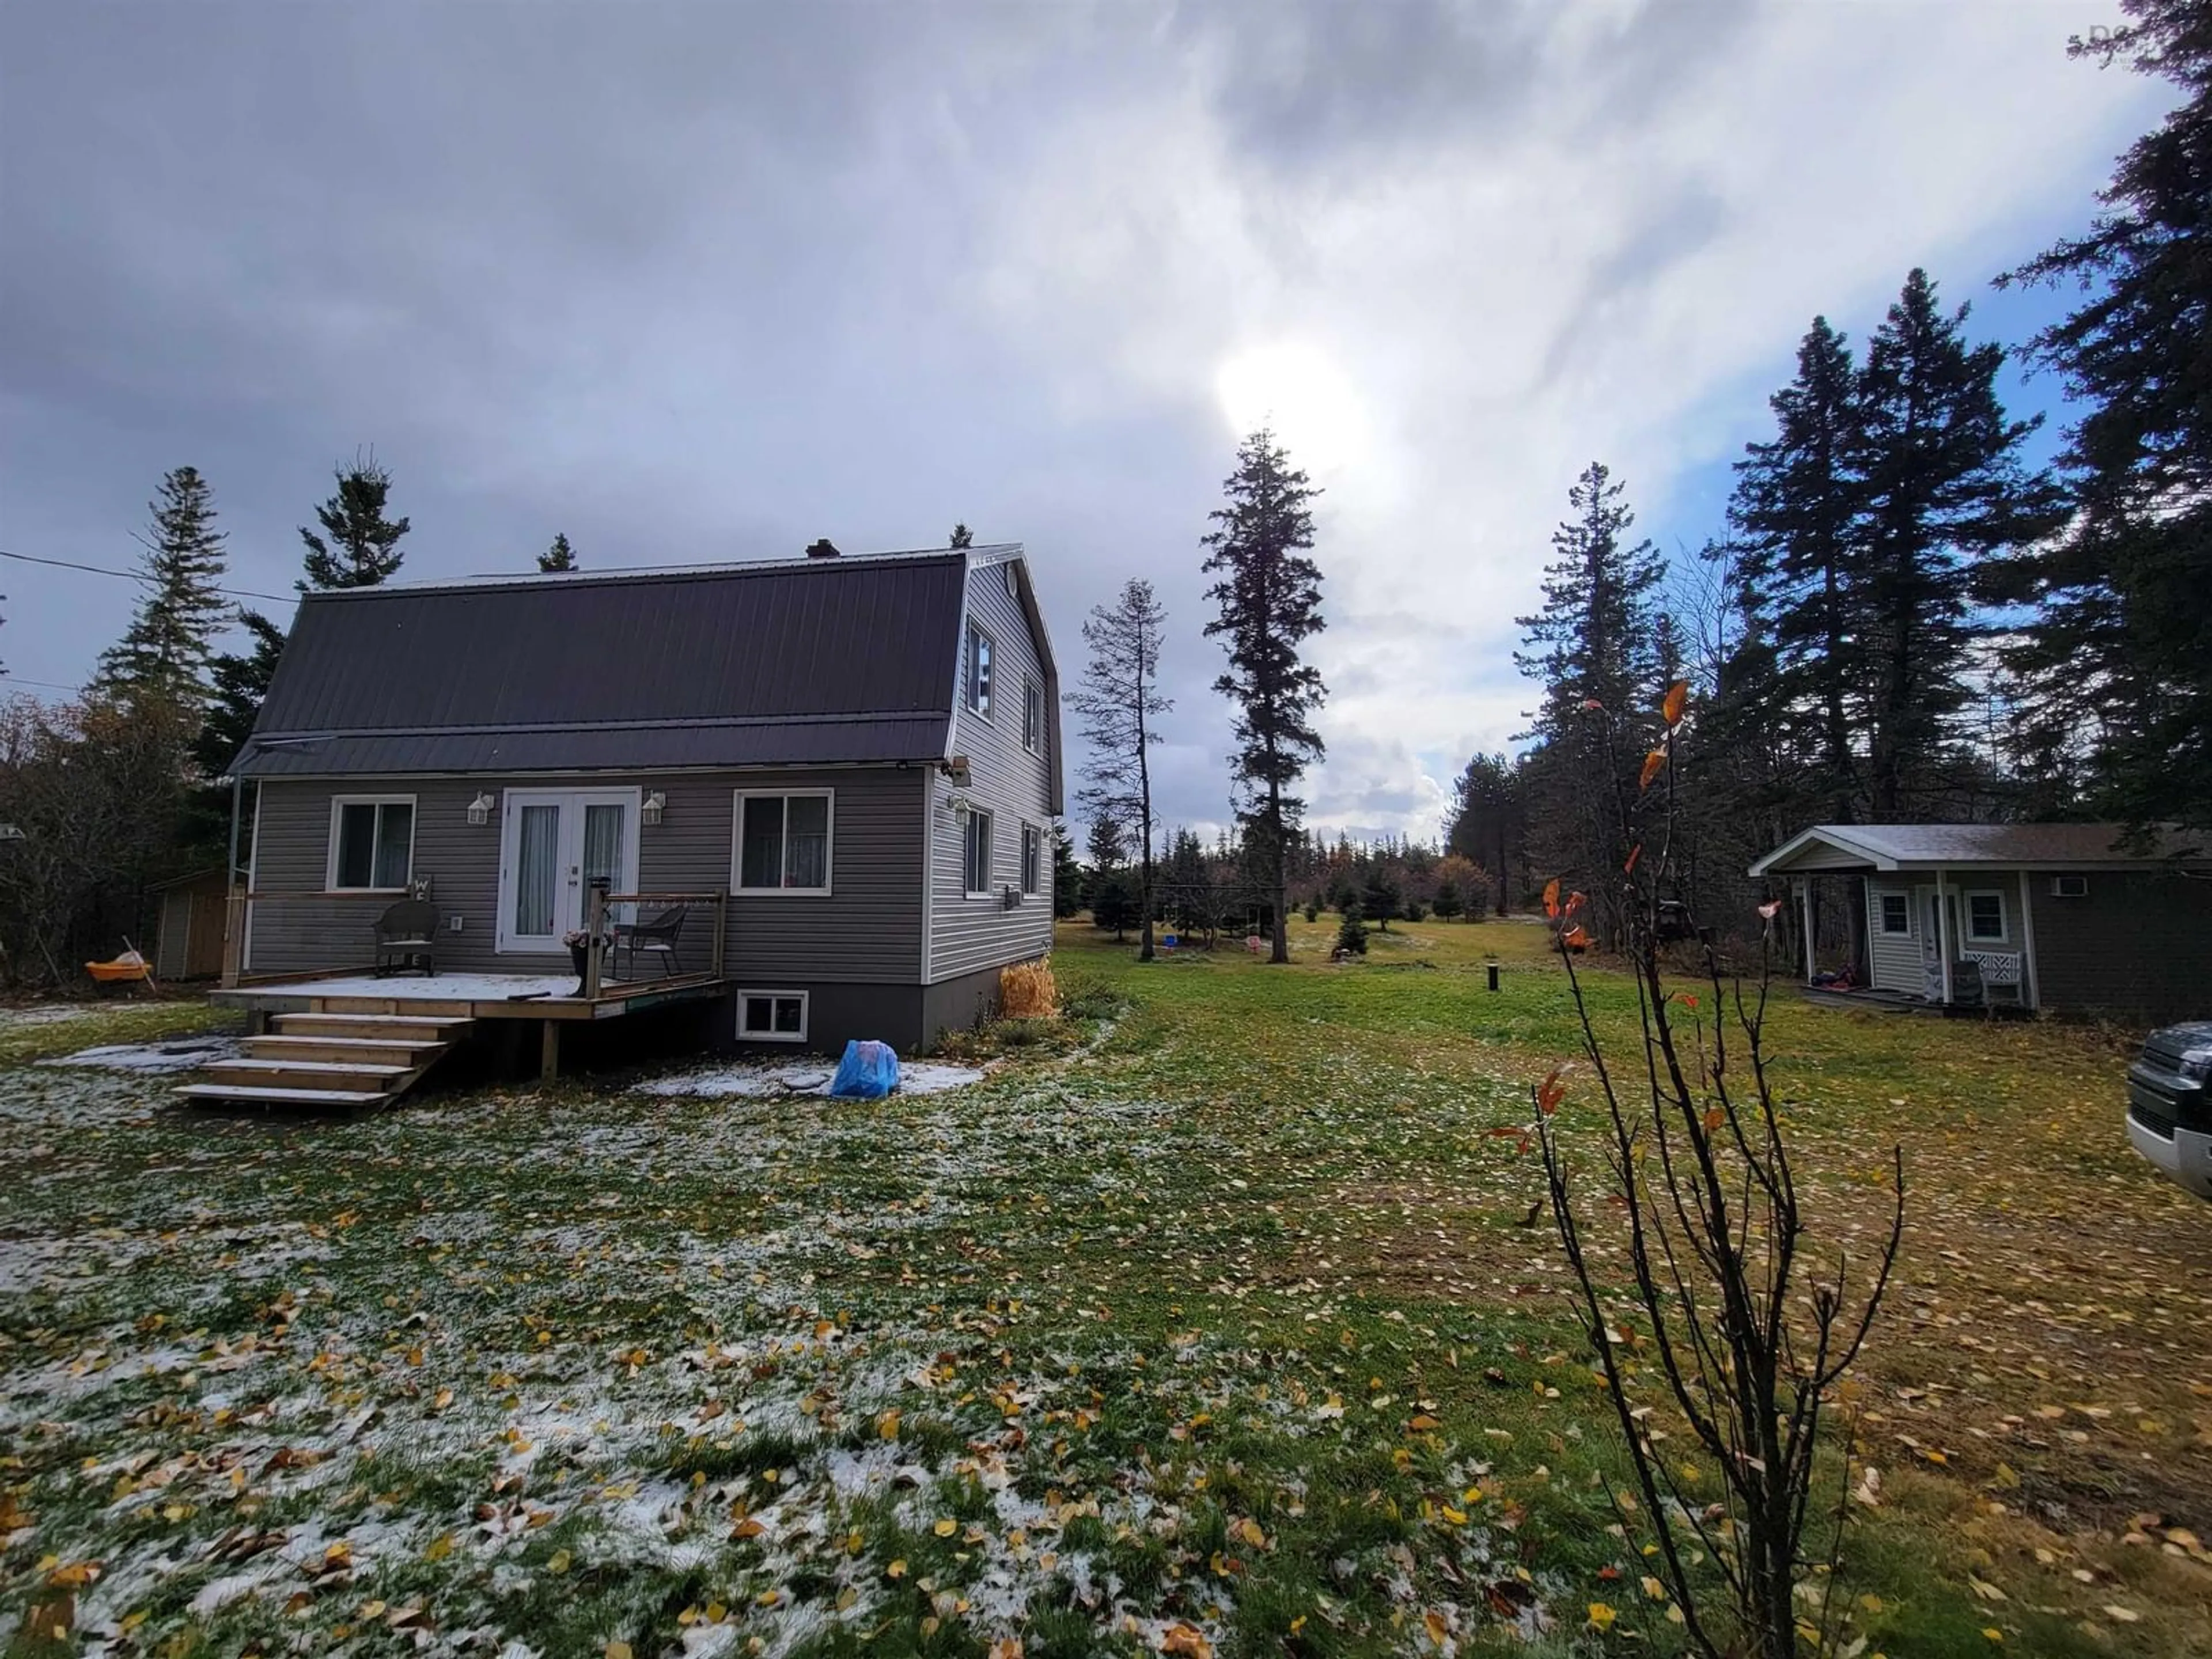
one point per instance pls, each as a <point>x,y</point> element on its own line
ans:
<point>1114,901</point>
<point>164,655</point>
<point>962,538</point>
<point>359,546</point>
<point>1067,875</point>
<point>1351,933</point>
<point>1381,897</point>
<point>1269,600</point>
<point>1448,902</point>
<point>558,558</point>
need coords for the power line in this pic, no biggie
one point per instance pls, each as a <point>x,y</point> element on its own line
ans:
<point>135,576</point>
<point>8,679</point>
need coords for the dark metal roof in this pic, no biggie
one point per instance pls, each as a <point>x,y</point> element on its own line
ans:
<point>823,661</point>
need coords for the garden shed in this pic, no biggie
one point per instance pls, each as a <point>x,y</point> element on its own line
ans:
<point>2074,918</point>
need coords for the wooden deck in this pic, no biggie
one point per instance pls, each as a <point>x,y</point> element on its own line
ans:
<point>462,999</point>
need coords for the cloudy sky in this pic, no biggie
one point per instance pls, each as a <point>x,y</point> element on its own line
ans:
<point>703,281</point>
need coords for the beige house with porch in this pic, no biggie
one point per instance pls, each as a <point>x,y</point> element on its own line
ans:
<point>2063,917</point>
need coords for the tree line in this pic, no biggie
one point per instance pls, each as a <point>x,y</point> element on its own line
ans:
<point>117,789</point>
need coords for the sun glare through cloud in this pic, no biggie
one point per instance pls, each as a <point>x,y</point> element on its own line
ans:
<point>1300,392</point>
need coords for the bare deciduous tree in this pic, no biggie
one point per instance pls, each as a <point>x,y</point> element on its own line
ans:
<point>1745,1336</point>
<point>1119,703</point>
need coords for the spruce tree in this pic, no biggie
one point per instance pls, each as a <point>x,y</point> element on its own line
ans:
<point>1943,488</point>
<point>2116,663</point>
<point>1120,704</point>
<point>1592,648</point>
<point>1794,518</point>
<point>962,538</point>
<point>1487,822</point>
<point>238,684</point>
<point>1269,600</point>
<point>359,546</point>
<point>163,656</point>
<point>558,559</point>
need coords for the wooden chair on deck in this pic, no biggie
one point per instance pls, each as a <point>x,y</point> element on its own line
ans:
<point>407,938</point>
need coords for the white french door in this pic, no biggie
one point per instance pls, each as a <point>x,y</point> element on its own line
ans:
<point>552,844</point>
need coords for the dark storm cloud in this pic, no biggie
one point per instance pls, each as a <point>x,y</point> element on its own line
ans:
<point>1341,87</point>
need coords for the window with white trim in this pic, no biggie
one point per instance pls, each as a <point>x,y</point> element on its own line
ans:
<point>1896,913</point>
<point>1985,916</point>
<point>1031,843</point>
<point>978,653</point>
<point>372,843</point>
<point>772,1016</point>
<point>976,853</point>
<point>784,840</point>
<point>1032,716</point>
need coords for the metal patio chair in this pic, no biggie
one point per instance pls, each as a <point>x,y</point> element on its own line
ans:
<point>657,935</point>
<point>407,938</point>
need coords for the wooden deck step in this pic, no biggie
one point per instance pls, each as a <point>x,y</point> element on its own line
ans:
<point>423,1028</point>
<point>305,1074</point>
<point>263,1096</point>
<point>394,1051</point>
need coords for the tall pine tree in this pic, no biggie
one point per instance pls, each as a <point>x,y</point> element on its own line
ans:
<point>1269,600</point>
<point>359,546</point>
<point>1943,488</point>
<point>1120,704</point>
<point>1793,519</point>
<point>163,656</point>
<point>2118,664</point>
<point>1592,649</point>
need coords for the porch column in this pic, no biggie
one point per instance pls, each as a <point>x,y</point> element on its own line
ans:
<point>1943,933</point>
<point>1804,922</point>
<point>2031,994</point>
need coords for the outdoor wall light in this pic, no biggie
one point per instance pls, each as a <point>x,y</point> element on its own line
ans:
<point>480,808</point>
<point>960,808</point>
<point>655,802</point>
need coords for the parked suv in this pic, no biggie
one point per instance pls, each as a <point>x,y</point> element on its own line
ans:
<point>2169,1106</point>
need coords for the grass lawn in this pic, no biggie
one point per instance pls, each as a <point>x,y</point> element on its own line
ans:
<point>1209,1322</point>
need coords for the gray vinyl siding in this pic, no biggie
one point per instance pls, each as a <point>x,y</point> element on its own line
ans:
<point>1894,958</point>
<point>868,930</point>
<point>1012,783</point>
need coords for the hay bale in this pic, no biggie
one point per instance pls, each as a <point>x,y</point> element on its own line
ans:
<point>1026,991</point>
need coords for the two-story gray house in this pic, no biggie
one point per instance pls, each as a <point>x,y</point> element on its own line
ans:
<point>863,752</point>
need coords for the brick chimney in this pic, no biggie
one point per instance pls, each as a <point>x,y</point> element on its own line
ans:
<point>822,549</point>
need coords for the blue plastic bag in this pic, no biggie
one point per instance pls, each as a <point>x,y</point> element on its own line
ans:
<point>869,1070</point>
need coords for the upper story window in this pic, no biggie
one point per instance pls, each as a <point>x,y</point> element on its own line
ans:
<point>1986,915</point>
<point>372,843</point>
<point>976,853</point>
<point>783,842</point>
<point>1032,716</point>
<point>1031,860</point>
<point>979,650</point>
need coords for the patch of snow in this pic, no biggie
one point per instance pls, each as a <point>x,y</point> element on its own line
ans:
<point>752,1080</point>
<point>152,1058</point>
<point>926,1080</point>
<point>49,1013</point>
<point>438,987</point>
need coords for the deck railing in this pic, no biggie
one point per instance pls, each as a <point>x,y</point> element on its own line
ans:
<point>597,901</point>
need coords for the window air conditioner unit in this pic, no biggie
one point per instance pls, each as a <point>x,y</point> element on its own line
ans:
<point>2069,887</point>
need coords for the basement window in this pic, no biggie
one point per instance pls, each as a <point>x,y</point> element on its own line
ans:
<point>772,1016</point>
